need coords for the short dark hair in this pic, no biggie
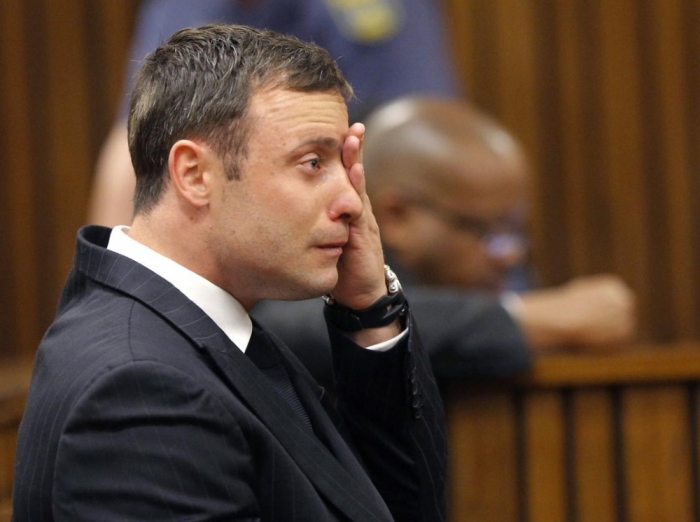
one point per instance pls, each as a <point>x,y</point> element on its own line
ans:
<point>198,84</point>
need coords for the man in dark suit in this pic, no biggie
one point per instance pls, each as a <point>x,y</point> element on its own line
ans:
<point>154,395</point>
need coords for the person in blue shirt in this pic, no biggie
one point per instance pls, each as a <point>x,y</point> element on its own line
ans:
<point>385,48</point>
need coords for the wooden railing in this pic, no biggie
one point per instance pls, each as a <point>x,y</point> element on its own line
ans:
<point>581,438</point>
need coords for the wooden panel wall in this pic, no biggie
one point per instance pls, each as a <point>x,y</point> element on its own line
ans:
<point>604,94</point>
<point>62,64</point>
<point>581,439</point>
<point>14,381</point>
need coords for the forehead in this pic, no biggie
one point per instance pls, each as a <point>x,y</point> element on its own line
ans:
<point>278,115</point>
<point>484,182</point>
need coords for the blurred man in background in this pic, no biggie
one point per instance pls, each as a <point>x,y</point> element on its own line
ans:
<point>448,185</point>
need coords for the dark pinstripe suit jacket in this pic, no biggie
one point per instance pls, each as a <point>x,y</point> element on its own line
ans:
<point>140,408</point>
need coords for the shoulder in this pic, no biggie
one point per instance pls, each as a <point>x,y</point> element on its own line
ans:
<point>102,332</point>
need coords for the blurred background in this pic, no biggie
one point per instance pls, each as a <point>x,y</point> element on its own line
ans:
<point>604,95</point>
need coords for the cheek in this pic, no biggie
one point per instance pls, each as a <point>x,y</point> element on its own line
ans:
<point>448,242</point>
<point>465,263</point>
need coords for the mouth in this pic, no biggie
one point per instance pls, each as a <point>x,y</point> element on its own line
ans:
<point>334,248</point>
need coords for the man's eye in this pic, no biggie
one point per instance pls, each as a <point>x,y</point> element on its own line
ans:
<point>314,163</point>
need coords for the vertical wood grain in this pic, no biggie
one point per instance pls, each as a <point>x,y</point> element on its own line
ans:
<point>694,429</point>
<point>573,39</point>
<point>68,122</point>
<point>594,459</point>
<point>8,445</point>
<point>691,18</point>
<point>5,511</point>
<point>20,296</point>
<point>621,125</point>
<point>657,454</point>
<point>483,460</point>
<point>545,463</point>
<point>109,31</point>
<point>678,276</point>
<point>517,81</point>
<point>522,72</point>
<point>483,79</point>
<point>59,95</point>
<point>460,21</point>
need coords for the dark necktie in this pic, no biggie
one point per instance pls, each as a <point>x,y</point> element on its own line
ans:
<point>265,356</point>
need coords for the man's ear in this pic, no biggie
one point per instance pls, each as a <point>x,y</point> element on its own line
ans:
<point>190,167</point>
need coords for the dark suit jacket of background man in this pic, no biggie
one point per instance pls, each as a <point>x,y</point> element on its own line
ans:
<point>469,336</point>
<point>141,408</point>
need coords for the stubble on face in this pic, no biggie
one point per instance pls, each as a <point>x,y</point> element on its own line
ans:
<point>277,239</point>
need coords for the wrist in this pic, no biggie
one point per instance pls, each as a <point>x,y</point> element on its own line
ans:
<point>375,336</point>
<point>381,313</point>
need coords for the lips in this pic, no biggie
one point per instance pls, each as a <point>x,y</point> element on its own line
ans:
<point>333,248</point>
<point>338,240</point>
<point>335,244</point>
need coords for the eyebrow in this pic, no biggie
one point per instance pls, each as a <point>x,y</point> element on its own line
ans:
<point>323,142</point>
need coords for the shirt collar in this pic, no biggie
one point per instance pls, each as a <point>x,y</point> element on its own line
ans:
<point>217,303</point>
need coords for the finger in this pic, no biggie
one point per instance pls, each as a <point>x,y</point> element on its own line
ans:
<point>357,178</point>
<point>351,151</point>
<point>357,129</point>
<point>352,146</point>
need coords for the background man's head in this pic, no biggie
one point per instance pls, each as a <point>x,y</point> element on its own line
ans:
<point>448,186</point>
<point>198,85</point>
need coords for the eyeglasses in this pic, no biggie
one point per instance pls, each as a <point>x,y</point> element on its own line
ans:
<point>505,240</point>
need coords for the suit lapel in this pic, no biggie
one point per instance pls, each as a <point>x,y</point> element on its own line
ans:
<point>311,396</point>
<point>346,486</point>
<point>352,495</point>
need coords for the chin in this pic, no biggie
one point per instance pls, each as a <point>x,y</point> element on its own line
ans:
<point>325,280</point>
<point>314,286</point>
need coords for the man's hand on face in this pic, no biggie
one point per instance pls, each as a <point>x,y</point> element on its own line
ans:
<point>361,278</point>
<point>361,267</point>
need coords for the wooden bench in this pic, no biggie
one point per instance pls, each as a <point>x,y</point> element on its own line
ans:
<point>584,438</point>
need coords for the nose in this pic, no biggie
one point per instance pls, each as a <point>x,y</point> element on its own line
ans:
<point>346,204</point>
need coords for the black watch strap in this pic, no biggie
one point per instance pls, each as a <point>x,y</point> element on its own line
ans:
<point>382,312</point>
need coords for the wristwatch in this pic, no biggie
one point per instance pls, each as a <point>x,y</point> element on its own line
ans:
<point>382,312</point>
